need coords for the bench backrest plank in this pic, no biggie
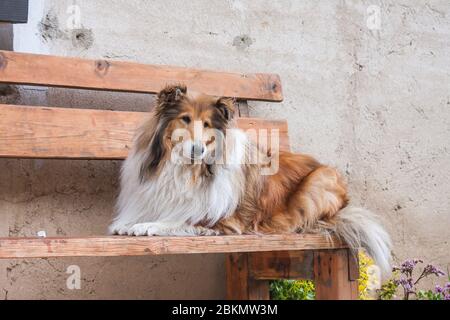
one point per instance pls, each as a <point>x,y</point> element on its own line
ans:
<point>44,70</point>
<point>43,132</point>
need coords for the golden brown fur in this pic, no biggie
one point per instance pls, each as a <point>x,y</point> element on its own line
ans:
<point>300,194</point>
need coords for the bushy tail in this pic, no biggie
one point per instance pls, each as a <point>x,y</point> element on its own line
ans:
<point>360,228</point>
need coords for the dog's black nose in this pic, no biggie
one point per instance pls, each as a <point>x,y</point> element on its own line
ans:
<point>197,150</point>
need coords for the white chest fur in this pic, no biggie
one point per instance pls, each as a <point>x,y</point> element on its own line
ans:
<point>172,197</point>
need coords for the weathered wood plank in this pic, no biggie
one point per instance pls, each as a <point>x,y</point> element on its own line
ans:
<point>236,276</point>
<point>43,132</point>
<point>44,70</point>
<point>140,246</point>
<point>240,284</point>
<point>353,265</point>
<point>332,275</point>
<point>282,265</point>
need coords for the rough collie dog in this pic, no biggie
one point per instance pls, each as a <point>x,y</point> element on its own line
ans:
<point>192,172</point>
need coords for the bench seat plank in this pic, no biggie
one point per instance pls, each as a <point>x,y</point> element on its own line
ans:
<point>140,246</point>
<point>54,71</point>
<point>43,132</point>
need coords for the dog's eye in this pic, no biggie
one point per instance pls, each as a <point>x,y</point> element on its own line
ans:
<point>186,119</point>
<point>205,125</point>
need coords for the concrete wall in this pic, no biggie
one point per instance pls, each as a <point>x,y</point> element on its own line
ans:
<point>369,96</point>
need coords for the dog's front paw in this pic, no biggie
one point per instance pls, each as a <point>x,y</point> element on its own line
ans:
<point>143,229</point>
<point>202,231</point>
<point>121,231</point>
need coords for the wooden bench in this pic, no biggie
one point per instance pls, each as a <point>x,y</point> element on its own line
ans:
<point>44,132</point>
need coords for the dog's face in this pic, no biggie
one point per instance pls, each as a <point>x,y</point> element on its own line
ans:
<point>189,130</point>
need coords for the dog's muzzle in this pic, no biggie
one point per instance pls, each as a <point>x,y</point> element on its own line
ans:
<point>195,150</point>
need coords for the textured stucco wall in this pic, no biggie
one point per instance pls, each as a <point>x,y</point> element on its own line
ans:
<point>375,102</point>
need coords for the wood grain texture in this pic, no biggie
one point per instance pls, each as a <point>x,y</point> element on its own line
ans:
<point>353,265</point>
<point>282,265</point>
<point>141,246</point>
<point>236,268</point>
<point>44,70</point>
<point>332,275</point>
<point>43,132</point>
<point>240,284</point>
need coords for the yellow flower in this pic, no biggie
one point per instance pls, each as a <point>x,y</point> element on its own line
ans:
<point>364,263</point>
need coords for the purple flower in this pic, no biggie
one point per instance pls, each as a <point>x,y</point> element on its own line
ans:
<point>407,266</point>
<point>430,269</point>
<point>406,283</point>
<point>443,291</point>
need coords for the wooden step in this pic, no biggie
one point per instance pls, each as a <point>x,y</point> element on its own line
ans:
<point>110,246</point>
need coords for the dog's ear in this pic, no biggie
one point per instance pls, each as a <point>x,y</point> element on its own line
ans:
<point>171,95</point>
<point>154,155</point>
<point>226,107</point>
